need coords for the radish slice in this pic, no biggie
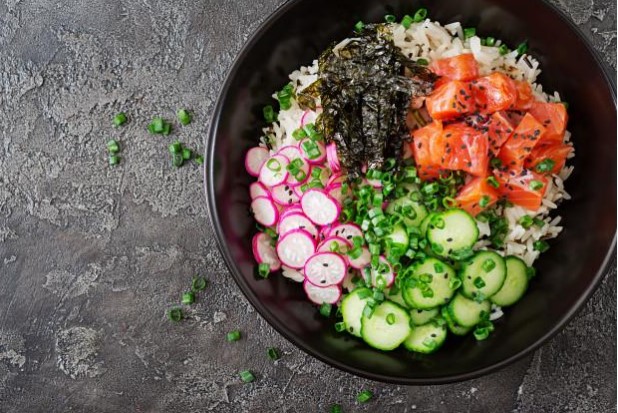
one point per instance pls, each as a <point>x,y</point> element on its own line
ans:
<point>347,231</point>
<point>256,189</point>
<point>362,261</point>
<point>348,280</point>
<point>264,252</point>
<point>388,276</point>
<point>306,144</point>
<point>274,171</point>
<point>301,177</point>
<point>255,158</point>
<point>295,248</point>
<point>265,211</point>
<point>308,117</point>
<point>320,207</point>
<point>295,208</point>
<point>290,152</point>
<point>336,178</point>
<point>284,195</point>
<point>292,274</point>
<point>325,269</point>
<point>335,191</point>
<point>296,221</point>
<point>342,245</point>
<point>322,295</point>
<point>331,157</point>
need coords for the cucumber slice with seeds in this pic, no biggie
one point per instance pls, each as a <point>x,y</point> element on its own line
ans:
<point>452,232</point>
<point>412,212</point>
<point>395,297</point>
<point>515,284</point>
<point>466,312</point>
<point>352,307</point>
<point>430,285</point>
<point>420,317</point>
<point>483,274</point>
<point>398,236</point>
<point>426,338</point>
<point>453,327</point>
<point>387,327</point>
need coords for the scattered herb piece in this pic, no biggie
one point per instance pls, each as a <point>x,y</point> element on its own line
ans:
<point>120,119</point>
<point>114,160</point>
<point>273,354</point>
<point>183,116</point>
<point>246,376</point>
<point>364,396</point>
<point>198,283</point>
<point>233,336</point>
<point>175,314</point>
<point>188,298</point>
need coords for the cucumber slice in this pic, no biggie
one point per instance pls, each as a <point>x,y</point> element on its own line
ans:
<point>428,294</point>
<point>426,338</point>
<point>466,312</point>
<point>483,274</point>
<point>387,327</point>
<point>398,236</point>
<point>451,232</point>
<point>515,284</point>
<point>413,218</point>
<point>352,307</point>
<point>420,317</point>
<point>453,326</point>
<point>396,297</point>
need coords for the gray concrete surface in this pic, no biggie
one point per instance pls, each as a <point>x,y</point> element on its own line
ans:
<point>91,257</point>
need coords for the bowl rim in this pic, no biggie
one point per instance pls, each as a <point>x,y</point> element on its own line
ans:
<point>208,172</point>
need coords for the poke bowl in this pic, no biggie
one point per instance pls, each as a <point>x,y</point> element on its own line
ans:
<point>388,181</point>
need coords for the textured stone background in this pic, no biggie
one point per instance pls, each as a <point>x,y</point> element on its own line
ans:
<point>90,257</point>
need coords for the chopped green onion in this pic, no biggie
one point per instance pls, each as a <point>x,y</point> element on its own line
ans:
<point>336,408</point>
<point>183,117</point>
<point>425,278</point>
<point>407,21</point>
<point>198,284</point>
<point>454,283</point>
<point>157,125</point>
<point>530,272</point>
<point>422,62</point>
<point>113,160</point>
<point>540,246</point>
<point>273,354</point>
<point>187,154</point>
<point>188,298</point>
<point>120,119</point>
<point>536,185</point>
<point>469,32</point>
<point>438,267</point>
<point>264,270</point>
<point>481,333</point>
<point>420,15</point>
<point>274,165</point>
<point>522,48</point>
<point>490,41</point>
<point>484,201</point>
<point>175,314</point>
<point>526,221</point>
<point>427,292</point>
<point>430,343</point>
<point>270,115</point>
<point>488,265</point>
<point>233,336</point>
<point>539,222</point>
<point>493,181</point>
<point>359,26</point>
<point>285,95</point>
<point>112,146</point>
<point>364,396</point>
<point>340,326</point>
<point>495,163</point>
<point>566,104</point>
<point>390,319</point>
<point>389,18</point>
<point>325,309</point>
<point>175,147</point>
<point>246,376</point>
<point>546,165</point>
<point>199,159</point>
<point>503,49</point>
<point>299,134</point>
<point>177,160</point>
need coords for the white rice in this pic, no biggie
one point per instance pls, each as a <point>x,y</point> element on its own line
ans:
<point>430,40</point>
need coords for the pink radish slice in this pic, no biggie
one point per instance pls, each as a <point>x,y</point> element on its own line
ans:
<point>336,178</point>
<point>290,152</point>
<point>301,177</point>
<point>322,295</point>
<point>292,274</point>
<point>298,191</point>
<point>264,252</point>
<point>325,269</point>
<point>296,221</point>
<point>308,117</point>
<point>362,261</point>
<point>257,189</point>
<point>295,248</point>
<point>274,171</point>
<point>331,157</point>
<point>347,231</point>
<point>255,158</point>
<point>265,211</point>
<point>335,191</point>
<point>389,276</point>
<point>307,143</point>
<point>320,207</point>
<point>284,195</point>
<point>294,208</point>
<point>328,244</point>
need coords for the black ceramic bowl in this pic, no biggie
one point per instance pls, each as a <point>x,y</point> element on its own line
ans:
<point>567,274</point>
